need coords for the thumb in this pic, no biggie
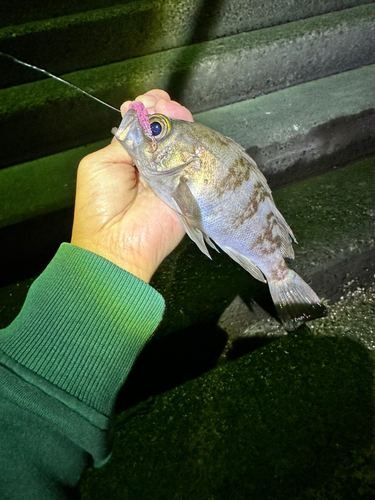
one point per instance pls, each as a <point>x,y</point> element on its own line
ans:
<point>107,182</point>
<point>113,154</point>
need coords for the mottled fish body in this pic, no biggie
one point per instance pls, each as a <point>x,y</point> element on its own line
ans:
<point>222,198</point>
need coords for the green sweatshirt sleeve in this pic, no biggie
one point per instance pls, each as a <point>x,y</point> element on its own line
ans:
<point>62,362</point>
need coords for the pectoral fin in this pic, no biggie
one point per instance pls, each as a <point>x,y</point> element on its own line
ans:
<point>245,262</point>
<point>190,216</point>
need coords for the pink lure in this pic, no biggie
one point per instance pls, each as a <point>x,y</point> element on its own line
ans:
<point>139,107</point>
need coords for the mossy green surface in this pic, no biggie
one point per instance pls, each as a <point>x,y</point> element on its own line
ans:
<point>41,186</point>
<point>332,214</point>
<point>293,418</point>
<point>62,41</point>
<point>35,10</point>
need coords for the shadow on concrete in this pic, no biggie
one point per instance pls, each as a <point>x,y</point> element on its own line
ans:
<point>205,19</point>
<point>27,247</point>
<point>345,140</point>
<point>170,361</point>
<point>246,345</point>
<point>294,420</point>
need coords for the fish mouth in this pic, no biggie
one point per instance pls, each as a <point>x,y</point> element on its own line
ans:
<point>130,131</point>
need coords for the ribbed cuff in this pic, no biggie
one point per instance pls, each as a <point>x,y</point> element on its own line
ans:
<point>83,324</point>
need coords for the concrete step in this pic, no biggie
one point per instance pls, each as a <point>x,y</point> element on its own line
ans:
<point>66,43</point>
<point>306,129</point>
<point>36,10</point>
<point>202,76</point>
<point>293,133</point>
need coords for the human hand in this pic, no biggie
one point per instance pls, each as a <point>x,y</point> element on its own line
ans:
<point>117,215</point>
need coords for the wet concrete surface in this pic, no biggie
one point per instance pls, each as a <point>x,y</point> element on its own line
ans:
<point>291,416</point>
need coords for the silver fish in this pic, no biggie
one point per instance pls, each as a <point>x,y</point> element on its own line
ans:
<point>221,197</point>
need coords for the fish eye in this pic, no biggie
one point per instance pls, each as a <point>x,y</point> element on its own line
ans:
<point>156,128</point>
<point>160,126</point>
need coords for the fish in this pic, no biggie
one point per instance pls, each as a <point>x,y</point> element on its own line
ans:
<point>222,199</point>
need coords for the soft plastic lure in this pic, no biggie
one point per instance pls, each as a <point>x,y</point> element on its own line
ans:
<point>138,106</point>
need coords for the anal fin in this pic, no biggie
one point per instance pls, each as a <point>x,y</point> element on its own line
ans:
<point>245,262</point>
<point>211,243</point>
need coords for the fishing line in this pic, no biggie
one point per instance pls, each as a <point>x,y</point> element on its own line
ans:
<point>14,59</point>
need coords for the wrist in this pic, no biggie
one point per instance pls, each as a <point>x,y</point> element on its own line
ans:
<point>141,270</point>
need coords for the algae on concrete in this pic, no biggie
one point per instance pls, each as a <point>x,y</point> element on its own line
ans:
<point>41,186</point>
<point>333,214</point>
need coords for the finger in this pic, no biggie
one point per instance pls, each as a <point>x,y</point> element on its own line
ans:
<point>158,94</point>
<point>114,153</point>
<point>173,110</point>
<point>183,112</point>
<point>147,99</point>
<point>124,107</point>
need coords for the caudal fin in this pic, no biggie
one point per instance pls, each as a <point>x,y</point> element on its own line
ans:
<point>295,301</point>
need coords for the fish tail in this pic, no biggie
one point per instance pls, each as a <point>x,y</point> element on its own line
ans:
<point>295,301</point>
